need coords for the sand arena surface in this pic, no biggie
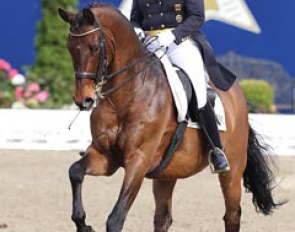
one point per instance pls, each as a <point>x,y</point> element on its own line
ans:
<point>35,196</point>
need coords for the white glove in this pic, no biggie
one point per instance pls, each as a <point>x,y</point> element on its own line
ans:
<point>139,32</point>
<point>166,38</point>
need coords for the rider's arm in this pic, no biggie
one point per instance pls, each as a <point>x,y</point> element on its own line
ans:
<point>194,18</point>
<point>136,16</point>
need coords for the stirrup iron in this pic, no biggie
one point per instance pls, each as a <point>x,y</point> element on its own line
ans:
<point>225,166</point>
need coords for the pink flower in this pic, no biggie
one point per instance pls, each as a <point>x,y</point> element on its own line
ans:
<point>13,72</point>
<point>42,96</point>
<point>19,92</point>
<point>33,87</point>
<point>4,65</point>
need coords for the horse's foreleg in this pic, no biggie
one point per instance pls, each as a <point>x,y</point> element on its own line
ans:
<point>135,172</point>
<point>231,186</point>
<point>91,163</point>
<point>77,173</point>
<point>163,190</point>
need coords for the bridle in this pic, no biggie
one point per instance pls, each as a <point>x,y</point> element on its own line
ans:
<point>101,77</point>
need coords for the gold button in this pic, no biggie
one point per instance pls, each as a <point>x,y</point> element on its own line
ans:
<point>178,7</point>
<point>162,14</point>
<point>160,3</point>
<point>178,18</point>
<point>147,4</point>
<point>162,25</point>
<point>149,15</point>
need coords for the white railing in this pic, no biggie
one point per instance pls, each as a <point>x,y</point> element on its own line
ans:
<point>278,131</point>
<point>44,130</point>
<point>48,130</point>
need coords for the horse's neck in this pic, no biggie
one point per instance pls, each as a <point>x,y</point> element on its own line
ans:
<point>126,46</point>
<point>127,52</point>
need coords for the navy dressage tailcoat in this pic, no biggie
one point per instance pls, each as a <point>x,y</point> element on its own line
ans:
<point>186,17</point>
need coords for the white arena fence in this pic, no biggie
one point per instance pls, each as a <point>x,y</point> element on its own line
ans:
<point>43,129</point>
<point>49,130</point>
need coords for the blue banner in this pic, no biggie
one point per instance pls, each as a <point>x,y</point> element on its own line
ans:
<point>256,29</point>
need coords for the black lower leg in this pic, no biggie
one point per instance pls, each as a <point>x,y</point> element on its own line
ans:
<point>233,224</point>
<point>208,123</point>
<point>76,174</point>
<point>217,158</point>
<point>116,219</point>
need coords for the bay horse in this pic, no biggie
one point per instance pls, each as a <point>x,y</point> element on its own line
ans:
<point>134,120</point>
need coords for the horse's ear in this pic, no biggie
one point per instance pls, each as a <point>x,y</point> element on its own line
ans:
<point>89,16</point>
<point>66,16</point>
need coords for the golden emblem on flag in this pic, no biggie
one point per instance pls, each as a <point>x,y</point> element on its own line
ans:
<point>233,12</point>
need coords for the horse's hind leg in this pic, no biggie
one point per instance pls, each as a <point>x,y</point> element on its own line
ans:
<point>163,190</point>
<point>91,163</point>
<point>231,186</point>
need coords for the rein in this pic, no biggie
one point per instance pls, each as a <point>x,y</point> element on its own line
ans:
<point>111,76</point>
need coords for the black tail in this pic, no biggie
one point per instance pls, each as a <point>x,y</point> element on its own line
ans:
<point>259,175</point>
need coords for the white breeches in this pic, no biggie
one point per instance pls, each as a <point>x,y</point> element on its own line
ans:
<point>187,56</point>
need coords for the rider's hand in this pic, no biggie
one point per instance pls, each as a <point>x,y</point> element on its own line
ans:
<point>139,32</point>
<point>166,38</point>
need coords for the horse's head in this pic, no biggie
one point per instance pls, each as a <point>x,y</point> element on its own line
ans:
<point>87,46</point>
<point>101,39</point>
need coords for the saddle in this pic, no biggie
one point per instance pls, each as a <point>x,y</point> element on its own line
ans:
<point>191,96</point>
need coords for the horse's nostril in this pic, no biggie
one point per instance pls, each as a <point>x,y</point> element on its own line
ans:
<point>88,102</point>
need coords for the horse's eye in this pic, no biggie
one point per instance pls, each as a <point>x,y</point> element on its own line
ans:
<point>95,48</point>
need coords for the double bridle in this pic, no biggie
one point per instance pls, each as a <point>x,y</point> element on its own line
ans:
<point>101,76</point>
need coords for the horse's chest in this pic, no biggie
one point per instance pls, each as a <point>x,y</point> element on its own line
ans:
<point>105,139</point>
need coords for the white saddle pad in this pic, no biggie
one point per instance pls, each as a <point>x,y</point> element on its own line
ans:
<point>220,116</point>
<point>180,98</point>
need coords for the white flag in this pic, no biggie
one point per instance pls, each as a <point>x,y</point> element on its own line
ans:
<point>233,12</point>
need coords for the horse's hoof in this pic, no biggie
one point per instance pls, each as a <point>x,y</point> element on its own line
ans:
<point>82,153</point>
<point>86,229</point>
<point>89,229</point>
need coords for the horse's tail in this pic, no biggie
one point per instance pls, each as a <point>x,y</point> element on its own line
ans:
<point>259,175</point>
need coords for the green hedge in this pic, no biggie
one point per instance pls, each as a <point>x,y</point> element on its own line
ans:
<point>259,95</point>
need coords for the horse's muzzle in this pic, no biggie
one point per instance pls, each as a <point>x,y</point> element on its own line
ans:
<point>86,104</point>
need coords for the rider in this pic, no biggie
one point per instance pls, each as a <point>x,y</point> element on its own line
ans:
<point>176,25</point>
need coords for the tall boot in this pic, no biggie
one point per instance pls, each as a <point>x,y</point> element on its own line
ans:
<point>217,159</point>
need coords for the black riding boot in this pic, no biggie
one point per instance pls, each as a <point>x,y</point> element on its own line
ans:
<point>217,159</point>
